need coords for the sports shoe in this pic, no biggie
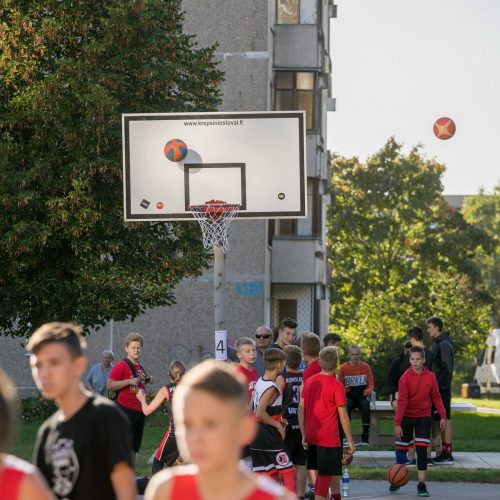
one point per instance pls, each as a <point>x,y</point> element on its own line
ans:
<point>422,490</point>
<point>309,494</point>
<point>443,459</point>
<point>363,443</point>
<point>411,463</point>
<point>393,489</point>
<point>430,462</point>
<point>345,444</point>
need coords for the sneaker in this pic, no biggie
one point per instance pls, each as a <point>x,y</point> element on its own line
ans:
<point>393,489</point>
<point>345,444</point>
<point>309,494</point>
<point>362,443</point>
<point>411,463</point>
<point>443,459</point>
<point>430,462</point>
<point>422,490</point>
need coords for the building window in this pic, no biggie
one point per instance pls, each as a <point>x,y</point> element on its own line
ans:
<point>295,90</point>
<point>288,12</point>
<point>296,11</point>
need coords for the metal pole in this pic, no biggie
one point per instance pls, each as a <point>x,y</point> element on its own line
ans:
<point>220,300</point>
<point>111,335</point>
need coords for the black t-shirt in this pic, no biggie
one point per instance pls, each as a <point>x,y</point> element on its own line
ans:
<point>77,456</point>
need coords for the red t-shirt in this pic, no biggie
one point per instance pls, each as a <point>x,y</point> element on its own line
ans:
<point>251,376</point>
<point>322,395</point>
<point>311,369</point>
<point>185,485</point>
<point>12,473</point>
<point>126,398</point>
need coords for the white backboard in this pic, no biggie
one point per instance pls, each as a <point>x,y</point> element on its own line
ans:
<point>256,160</point>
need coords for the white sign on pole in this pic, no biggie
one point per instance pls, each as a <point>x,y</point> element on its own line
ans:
<point>221,345</point>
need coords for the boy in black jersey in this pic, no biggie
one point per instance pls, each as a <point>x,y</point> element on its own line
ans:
<point>84,450</point>
<point>268,448</point>
<point>291,400</point>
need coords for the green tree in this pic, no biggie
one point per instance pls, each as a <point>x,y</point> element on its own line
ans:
<point>69,70</point>
<point>400,253</point>
<point>483,211</point>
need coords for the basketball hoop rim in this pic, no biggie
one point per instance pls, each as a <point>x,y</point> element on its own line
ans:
<point>216,208</point>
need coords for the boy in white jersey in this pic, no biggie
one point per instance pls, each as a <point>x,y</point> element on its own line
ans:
<point>268,448</point>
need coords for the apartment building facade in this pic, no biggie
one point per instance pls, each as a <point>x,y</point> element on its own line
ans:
<point>275,56</point>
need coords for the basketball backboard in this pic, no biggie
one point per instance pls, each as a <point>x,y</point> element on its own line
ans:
<point>255,160</point>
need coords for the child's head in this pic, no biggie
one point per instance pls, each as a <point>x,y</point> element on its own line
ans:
<point>7,399</point>
<point>354,354</point>
<point>417,358</point>
<point>176,370</point>
<point>57,361</point>
<point>310,344</point>
<point>274,359</point>
<point>328,357</point>
<point>293,356</point>
<point>331,339</point>
<point>134,343</point>
<point>211,415</point>
<point>286,332</point>
<point>245,350</point>
<point>435,326</point>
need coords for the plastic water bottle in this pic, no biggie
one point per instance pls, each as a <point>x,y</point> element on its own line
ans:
<point>345,484</point>
<point>373,399</point>
<point>302,366</point>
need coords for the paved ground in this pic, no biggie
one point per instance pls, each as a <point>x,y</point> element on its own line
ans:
<point>468,460</point>
<point>444,491</point>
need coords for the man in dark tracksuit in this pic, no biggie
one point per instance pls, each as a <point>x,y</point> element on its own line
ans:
<point>442,366</point>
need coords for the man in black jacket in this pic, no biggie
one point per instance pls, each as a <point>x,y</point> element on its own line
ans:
<point>442,366</point>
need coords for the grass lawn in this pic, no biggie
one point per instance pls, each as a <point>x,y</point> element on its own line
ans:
<point>472,432</point>
<point>489,402</point>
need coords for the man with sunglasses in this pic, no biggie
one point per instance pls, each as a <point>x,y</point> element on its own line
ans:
<point>263,341</point>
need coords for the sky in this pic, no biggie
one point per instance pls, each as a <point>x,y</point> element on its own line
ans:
<point>398,65</point>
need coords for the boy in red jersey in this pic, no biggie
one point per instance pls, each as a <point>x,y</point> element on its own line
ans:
<point>416,388</point>
<point>213,424</point>
<point>310,345</point>
<point>357,378</point>
<point>322,403</point>
<point>18,479</point>
<point>122,380</point>
<point>247,353</point>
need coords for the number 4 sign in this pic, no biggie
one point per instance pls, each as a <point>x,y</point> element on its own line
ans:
<point>221,345</point>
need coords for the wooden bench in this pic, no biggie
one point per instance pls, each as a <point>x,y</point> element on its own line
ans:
<point>384,410</point>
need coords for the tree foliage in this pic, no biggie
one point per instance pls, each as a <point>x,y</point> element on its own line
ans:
<point>68,72</point>
<point>400,253</point>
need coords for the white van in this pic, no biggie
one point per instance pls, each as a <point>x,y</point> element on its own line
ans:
<point>488,372</point>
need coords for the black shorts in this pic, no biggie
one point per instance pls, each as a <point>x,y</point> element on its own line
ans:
<point>327,461</point>
<point>137,420</point>
<point>294,448</point>
<point>421,426</point>
<point>266,461</point>
<point>446,398</point>
<point>167,453</point>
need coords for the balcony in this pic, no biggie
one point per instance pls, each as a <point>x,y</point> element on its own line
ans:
<point>298,259</point>
<point>299,46</point>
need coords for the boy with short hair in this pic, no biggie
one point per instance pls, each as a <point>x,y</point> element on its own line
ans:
<point>416,388</point>
<point>213,423</point>
<point>83,450</point>
<point>322,404</point>
<point>357,378</point>
<point>332,339</point>
<point>268,448</point>
<point>286,333</point>
<point>122,380</point>
<point>291,400</point>
<point>247,353</point>
<point>310,346</point>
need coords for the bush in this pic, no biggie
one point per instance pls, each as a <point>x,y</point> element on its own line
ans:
<point>36,409</point>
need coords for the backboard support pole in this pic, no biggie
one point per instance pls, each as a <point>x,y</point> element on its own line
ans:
<point>220,303</point>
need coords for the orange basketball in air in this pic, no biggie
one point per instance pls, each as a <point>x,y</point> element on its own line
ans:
<point>398,475</point>
<point>175,150</point>
<point>444,128</point>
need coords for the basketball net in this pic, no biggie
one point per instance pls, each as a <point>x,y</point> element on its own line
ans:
<point>214,218</point>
